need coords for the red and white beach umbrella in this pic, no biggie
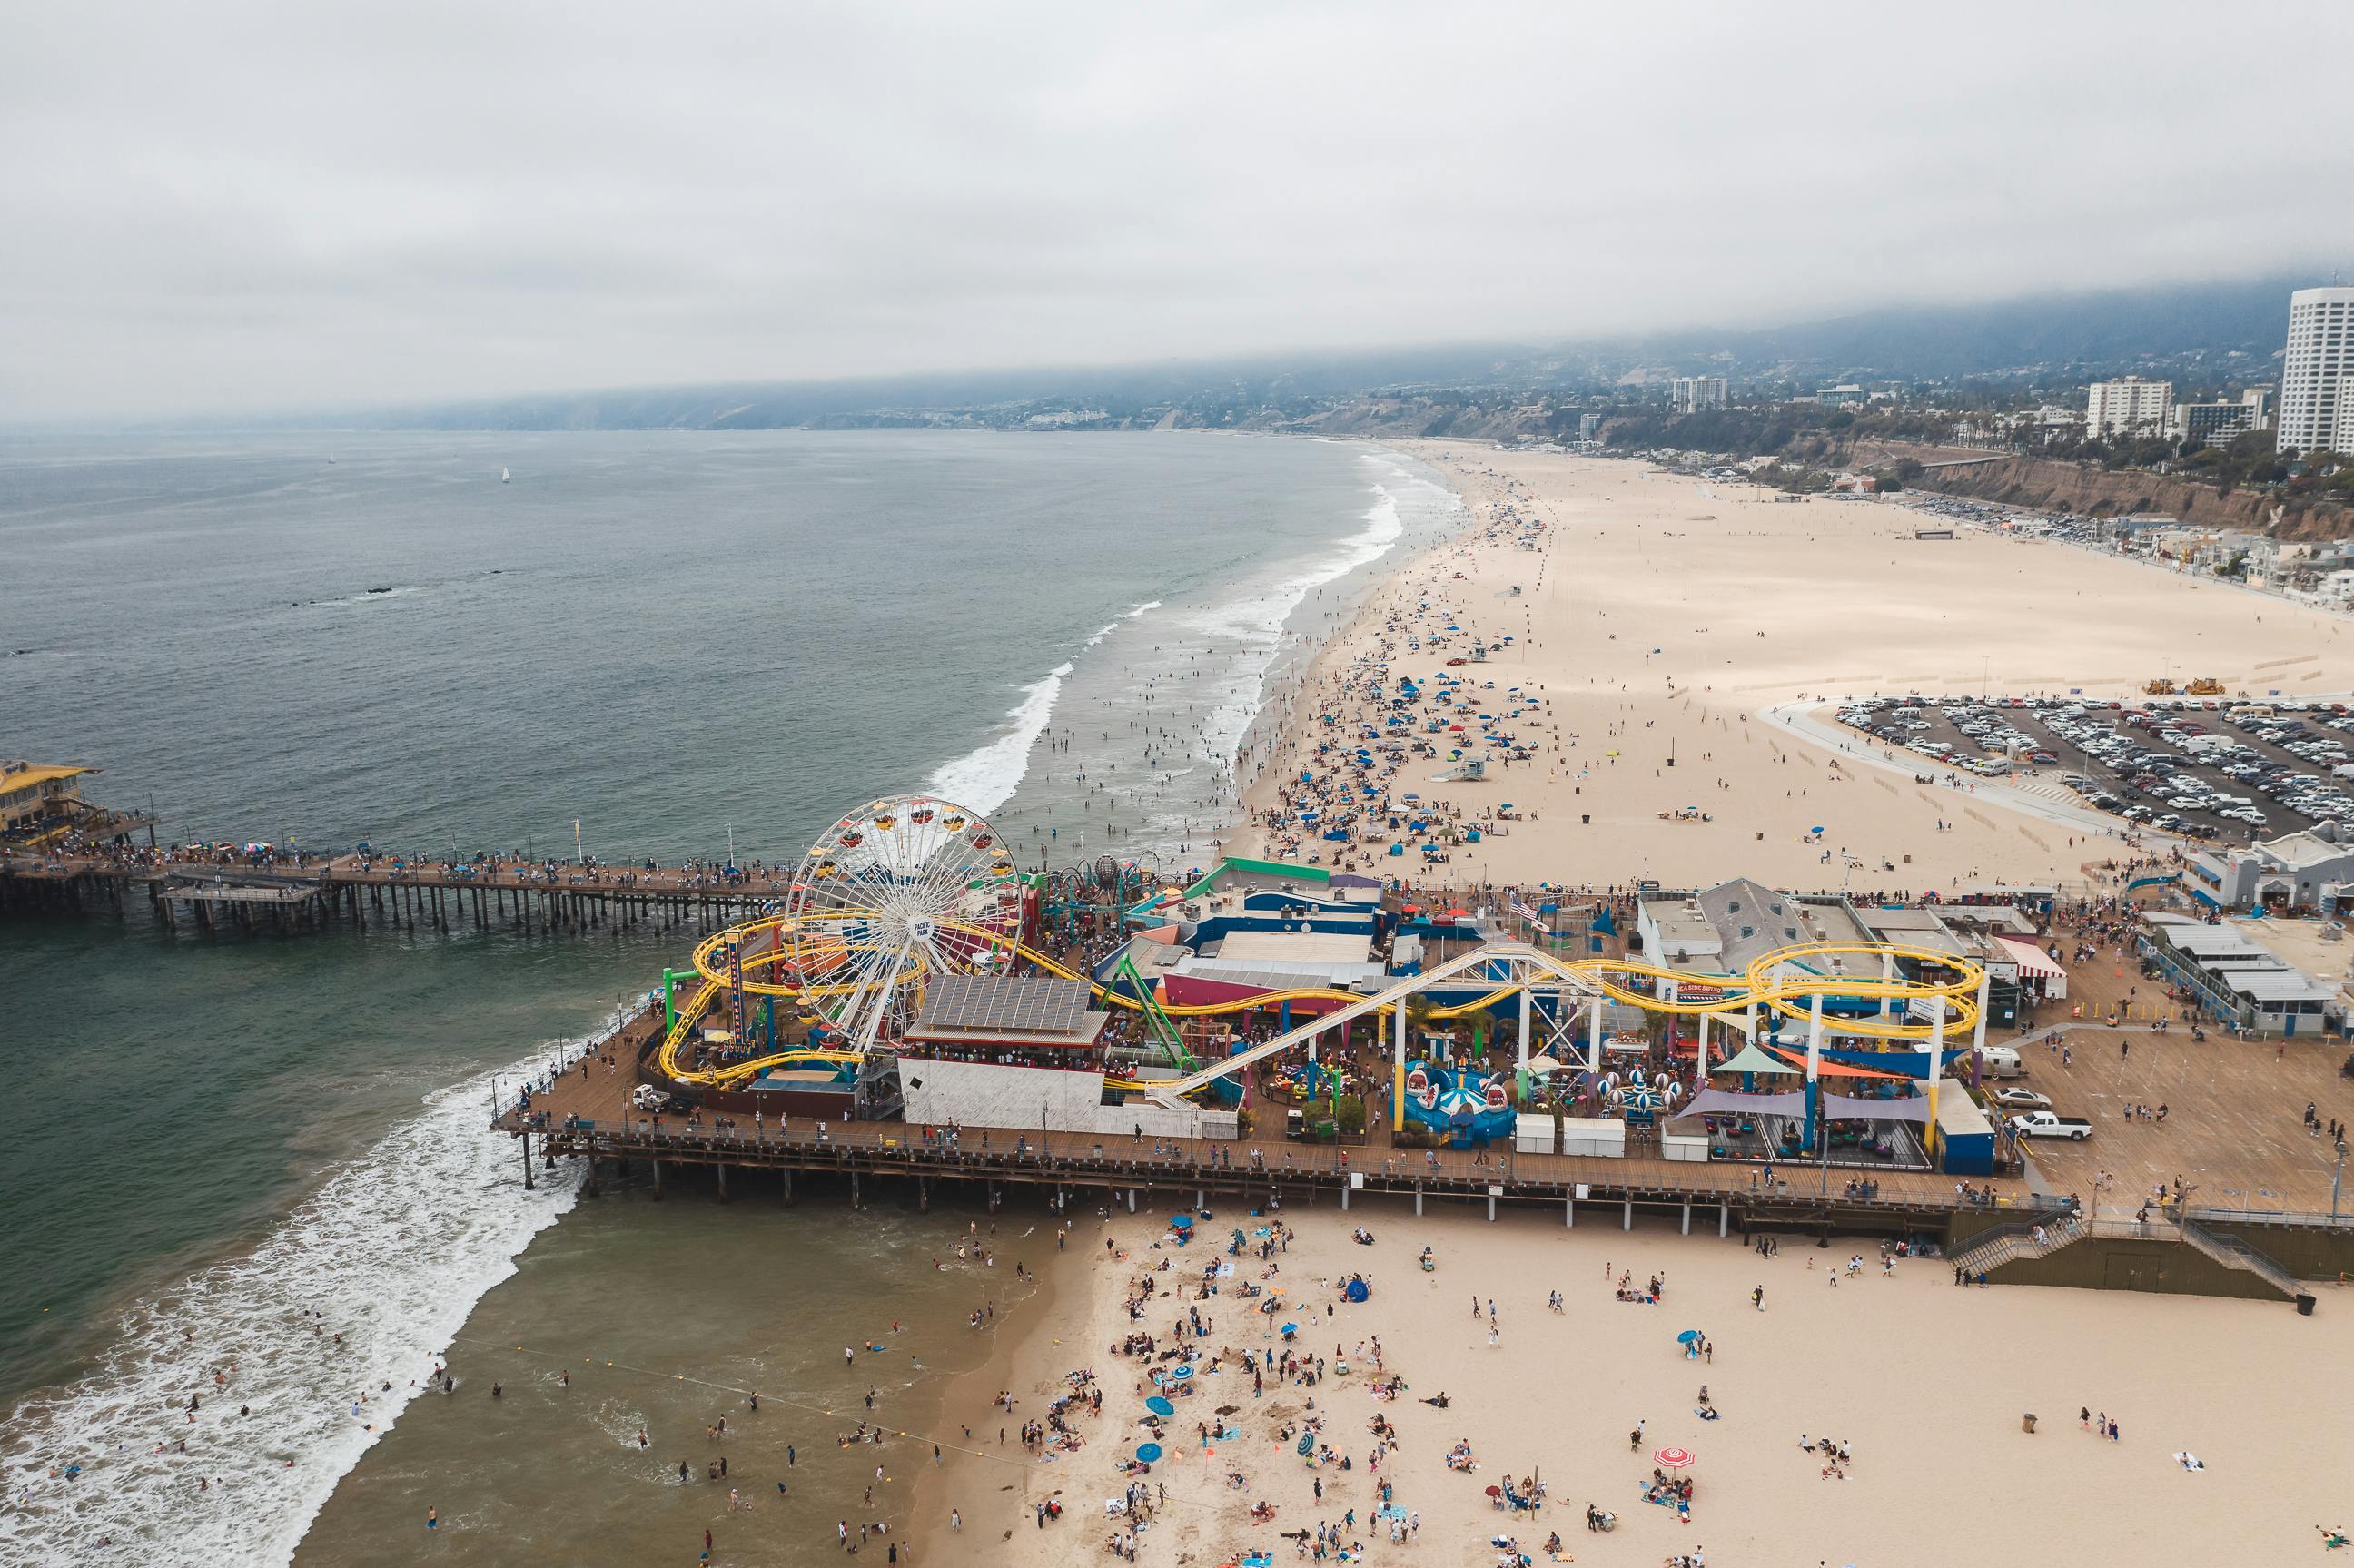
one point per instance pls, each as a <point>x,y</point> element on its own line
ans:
<point>1673,1458</point>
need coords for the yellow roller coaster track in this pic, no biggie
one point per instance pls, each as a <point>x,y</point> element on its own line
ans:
<point>1766,984</point>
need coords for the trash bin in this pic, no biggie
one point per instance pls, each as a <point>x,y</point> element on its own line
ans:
<point>2305,1306</point>
<point>2027,1423</point>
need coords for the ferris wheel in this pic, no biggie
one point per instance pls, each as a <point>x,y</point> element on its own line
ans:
<point>898,892</point>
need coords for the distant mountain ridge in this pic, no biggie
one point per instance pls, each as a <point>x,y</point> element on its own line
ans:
<point>2217,327</point>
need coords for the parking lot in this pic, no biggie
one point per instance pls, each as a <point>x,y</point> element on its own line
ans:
<point>2221,769</point>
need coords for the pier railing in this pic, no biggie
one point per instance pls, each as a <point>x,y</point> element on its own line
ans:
<point>508,1100</point>
<point>2233,1253</point>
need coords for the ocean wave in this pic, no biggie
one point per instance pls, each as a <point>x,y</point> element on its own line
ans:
<point>1255,622</point>
<point>984,778</point>
<point>1112,625</point>
<point>369,596</point>
<point>391,1253</point>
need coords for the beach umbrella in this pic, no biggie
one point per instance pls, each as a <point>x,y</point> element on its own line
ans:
<point>1688,1336</point>
<point>1307,1444</point>
<point>1160,1406</point>
<point>1147,1452</point>
<point>1673,1458</point>
<point>1182,1222</point>
<point>1181,1374</point>
<point>1290,1328</point>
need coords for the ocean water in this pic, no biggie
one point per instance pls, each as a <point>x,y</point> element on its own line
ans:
<point>683,642</point>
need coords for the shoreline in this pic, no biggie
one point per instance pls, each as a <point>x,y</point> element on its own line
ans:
<point>1302,657</point>
<point>1616,597</point>
<point>975,1480</point>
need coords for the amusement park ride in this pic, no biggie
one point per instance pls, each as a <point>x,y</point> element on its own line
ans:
<point>908,890</point>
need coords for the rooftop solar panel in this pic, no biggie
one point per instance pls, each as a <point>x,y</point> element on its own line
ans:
<point>1024,1004</point>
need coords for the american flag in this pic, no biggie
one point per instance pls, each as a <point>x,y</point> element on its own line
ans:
<point>1526,911</point>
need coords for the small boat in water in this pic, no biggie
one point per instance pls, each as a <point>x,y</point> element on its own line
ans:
<point>504,477</point>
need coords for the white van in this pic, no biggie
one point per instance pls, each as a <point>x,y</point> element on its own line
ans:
<point>2001,1062</point>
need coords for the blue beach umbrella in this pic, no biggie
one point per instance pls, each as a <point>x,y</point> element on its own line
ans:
<point>1182,1222</point>
<point>1688,1336</point>
<point>1147,1452</point>
<point>1160,1406</point>
<point>1181,1374</point>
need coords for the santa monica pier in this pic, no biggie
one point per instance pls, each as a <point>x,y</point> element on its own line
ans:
<point>911,1009</point>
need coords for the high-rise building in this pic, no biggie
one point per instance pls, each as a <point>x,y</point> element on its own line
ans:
<point>2130,407</point>
<point>1692,393</point>
<point>2313,371</point>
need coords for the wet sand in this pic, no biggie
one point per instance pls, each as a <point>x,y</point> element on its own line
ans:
<point>665,1317</point>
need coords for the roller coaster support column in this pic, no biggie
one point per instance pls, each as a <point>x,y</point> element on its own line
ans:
<point>1887,976</point>
<point>1978,1029</point>
<point>670,1000</point>
<point>1936,1063</point>
<point>1703,1058</point>
<point>1397,1067</point>
<point>1528,980</point>
<point>1593,1035</point>
<point>1814,1063</point>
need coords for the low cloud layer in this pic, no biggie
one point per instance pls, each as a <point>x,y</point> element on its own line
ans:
<point>218,207</point>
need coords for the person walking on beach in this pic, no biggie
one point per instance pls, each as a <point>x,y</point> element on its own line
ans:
<point>1757,1298</point>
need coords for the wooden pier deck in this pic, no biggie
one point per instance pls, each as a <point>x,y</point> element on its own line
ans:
<point>300,892</point>
<point>586,1114</point>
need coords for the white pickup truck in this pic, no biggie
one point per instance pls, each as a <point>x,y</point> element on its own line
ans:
<point>2044,1124</point>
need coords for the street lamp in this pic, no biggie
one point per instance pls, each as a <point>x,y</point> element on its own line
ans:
<point>2336,1181</point>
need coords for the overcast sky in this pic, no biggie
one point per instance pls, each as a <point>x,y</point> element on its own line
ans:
<point>216,205</point>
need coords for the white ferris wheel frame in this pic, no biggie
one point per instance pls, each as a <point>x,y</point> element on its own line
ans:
<point>926,872</point>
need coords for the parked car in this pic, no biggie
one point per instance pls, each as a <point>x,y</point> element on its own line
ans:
<point>2044,1124</point>
<point>2021,1099</point>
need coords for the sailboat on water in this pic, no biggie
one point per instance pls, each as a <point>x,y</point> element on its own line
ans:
<point>505,476</point>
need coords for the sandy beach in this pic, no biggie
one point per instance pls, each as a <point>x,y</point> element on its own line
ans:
<point>1925,1384</point>
<point>1651,617</point>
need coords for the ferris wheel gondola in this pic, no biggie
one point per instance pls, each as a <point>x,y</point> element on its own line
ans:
<point>896,895</point>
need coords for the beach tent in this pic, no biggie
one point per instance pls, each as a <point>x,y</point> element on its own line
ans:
<point>1356,1290</point>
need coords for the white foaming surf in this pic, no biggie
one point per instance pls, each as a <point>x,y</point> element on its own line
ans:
<point>984,778</point>
<point>392,1253</point>
<point>1257,622</point>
